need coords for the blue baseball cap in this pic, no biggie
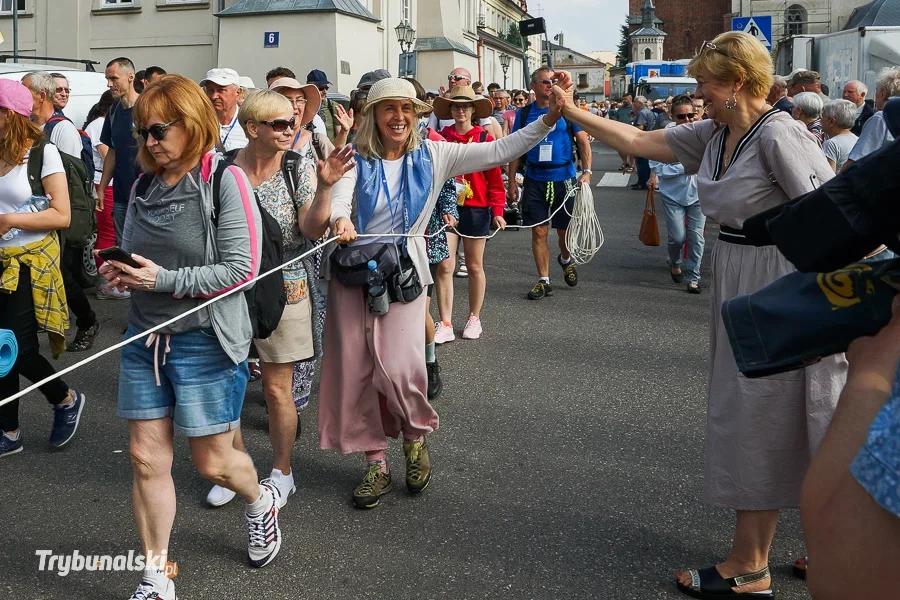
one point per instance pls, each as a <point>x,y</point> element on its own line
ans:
<point>317,78</point>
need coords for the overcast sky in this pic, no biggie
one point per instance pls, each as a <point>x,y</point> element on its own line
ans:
<point>588,24</point>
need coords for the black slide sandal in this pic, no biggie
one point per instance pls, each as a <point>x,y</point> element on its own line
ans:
<point>798,572</point>
<point>708,584</point>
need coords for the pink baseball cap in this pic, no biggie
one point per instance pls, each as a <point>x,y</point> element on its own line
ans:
<point>16,97</point>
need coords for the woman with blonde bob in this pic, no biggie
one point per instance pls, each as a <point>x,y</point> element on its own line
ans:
<point>302,210</point>
<point>761,433</point>
<point>190,376</point>
<point>373,372</point>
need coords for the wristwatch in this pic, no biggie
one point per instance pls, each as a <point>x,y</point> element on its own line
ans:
<point>587,171</point>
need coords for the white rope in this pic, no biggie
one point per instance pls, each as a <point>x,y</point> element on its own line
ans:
<point>584,237</point>
<point>211,301</point>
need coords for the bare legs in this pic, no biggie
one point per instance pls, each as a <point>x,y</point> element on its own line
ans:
<point>277,380</point>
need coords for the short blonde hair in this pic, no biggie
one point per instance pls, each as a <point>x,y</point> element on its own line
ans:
<point>264,105</point>
<point>368,138</point>
<point>175,98</point>
<point>736,56</point>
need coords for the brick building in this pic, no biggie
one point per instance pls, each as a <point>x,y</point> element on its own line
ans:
<point>687,23</point>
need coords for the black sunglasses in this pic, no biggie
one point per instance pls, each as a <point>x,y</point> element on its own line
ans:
<point>686,116</point>
<point>156,131</point>
<point>281,125</point>
<point>456,77</point>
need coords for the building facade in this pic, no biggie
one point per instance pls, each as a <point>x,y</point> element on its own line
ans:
<point>496,20</point>
<point>344,38</point>
<point>589,75</point>
<point>793,17</point>
<point>179,35</point>
<point>687,23</point>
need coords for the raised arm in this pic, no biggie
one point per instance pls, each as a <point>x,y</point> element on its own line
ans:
<point>621,137</point>
<point>459,159</point>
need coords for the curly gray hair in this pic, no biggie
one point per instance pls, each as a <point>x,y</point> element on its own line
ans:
<point>842,111</point>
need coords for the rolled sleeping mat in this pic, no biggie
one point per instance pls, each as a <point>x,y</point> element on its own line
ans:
<point>9,350</point>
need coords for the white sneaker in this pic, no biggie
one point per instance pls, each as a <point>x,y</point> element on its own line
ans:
<point>147,591</point>
<point>106,292</point>
<point>263,532</point>
<point>443,333</point>
<point>462,271</point>
<point>219,496</point>
<point>284,483</point>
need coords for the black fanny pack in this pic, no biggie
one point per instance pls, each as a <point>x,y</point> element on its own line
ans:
<point>350,264</point>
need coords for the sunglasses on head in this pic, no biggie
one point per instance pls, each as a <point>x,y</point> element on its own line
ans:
<point>157,131</point>
<point>686,115</point>
<point>456,77</point>
<point>714,48</point>
<point>280,125</point>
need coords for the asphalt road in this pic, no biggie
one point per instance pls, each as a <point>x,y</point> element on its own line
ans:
<point>568,463</point>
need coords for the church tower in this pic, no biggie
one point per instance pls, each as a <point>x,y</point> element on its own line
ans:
<point>647,42</point>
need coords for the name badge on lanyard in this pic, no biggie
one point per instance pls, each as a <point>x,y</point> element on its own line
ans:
<point>545,151</point>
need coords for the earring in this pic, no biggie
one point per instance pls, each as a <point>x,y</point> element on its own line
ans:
<point>734,102</point>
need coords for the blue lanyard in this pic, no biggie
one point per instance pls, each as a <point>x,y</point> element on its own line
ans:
<point>387,191</point>
<point>233,123</point>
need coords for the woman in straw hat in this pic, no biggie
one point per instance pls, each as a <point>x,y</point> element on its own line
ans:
<point>481,205</point>
<point>373,371</point>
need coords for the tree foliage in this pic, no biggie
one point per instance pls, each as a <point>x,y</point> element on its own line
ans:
<point>623,45</point>
<point>513,36</point>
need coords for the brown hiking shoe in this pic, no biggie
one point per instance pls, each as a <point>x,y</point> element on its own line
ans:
<point>374,485</point>
<point>418,465</point>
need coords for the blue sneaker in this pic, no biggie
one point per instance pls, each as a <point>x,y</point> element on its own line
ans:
<point>8,446</point>
<point>65,421</point>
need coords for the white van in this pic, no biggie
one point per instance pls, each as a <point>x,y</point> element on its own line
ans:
<point>86,86</point>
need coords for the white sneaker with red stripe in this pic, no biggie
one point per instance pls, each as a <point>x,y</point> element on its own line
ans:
<point>263,532</point>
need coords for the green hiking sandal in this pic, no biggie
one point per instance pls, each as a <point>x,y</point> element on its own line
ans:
<point>374,485</point>
<point>418,465</point>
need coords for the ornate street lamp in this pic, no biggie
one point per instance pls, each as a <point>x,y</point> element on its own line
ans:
<point>406,35</point>
<point>504,64</point>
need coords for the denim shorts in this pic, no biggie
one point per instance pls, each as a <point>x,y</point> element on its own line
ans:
<point>201,389</point>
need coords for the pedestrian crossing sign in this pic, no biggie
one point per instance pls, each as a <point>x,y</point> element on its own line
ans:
<point>759,27</point>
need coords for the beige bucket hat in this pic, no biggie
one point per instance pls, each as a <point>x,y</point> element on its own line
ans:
<point>463,95</point>
<point>394,89</point>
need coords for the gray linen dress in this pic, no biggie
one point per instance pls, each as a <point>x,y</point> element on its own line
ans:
<point>761,433</point>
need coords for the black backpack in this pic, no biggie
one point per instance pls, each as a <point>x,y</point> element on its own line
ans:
<point>266,298</point>
<point>80,184</point>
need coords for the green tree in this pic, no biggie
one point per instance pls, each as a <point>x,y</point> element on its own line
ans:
<point>623,45</point>
<point>514,36</point>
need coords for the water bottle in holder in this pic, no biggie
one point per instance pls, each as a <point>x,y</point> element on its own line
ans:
<point>379,301</point>
<point>34,204</point>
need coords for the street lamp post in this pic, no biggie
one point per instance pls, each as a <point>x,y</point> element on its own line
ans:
<point>504,64</point>
<point>406,35</point>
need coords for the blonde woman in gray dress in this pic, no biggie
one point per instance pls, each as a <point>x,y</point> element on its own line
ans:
<point>761,433</point>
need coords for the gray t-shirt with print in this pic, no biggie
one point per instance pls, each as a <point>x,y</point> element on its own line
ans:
<point>168,228</point>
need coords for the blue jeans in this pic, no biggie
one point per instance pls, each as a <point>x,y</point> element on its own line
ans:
<point>693,233</point>
<point>643,170</point>
<point>120,209</point>
<point>200,388</point>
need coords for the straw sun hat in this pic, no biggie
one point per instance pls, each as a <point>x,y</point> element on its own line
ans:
<point>463,95</point>
<point>310,91</point>
<point>394,89</point>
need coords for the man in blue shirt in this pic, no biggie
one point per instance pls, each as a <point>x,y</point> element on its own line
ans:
<point>549,181</point>
<point>120,164</point>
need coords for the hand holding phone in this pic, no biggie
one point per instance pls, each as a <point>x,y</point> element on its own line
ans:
<point>117,254</point>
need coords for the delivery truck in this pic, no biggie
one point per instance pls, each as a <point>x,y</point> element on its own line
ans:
<point>842,56</point>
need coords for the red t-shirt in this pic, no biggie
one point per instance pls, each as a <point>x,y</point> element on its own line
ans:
<point>487,186</point>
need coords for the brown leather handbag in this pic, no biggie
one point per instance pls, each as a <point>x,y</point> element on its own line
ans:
<point>649,234</point>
